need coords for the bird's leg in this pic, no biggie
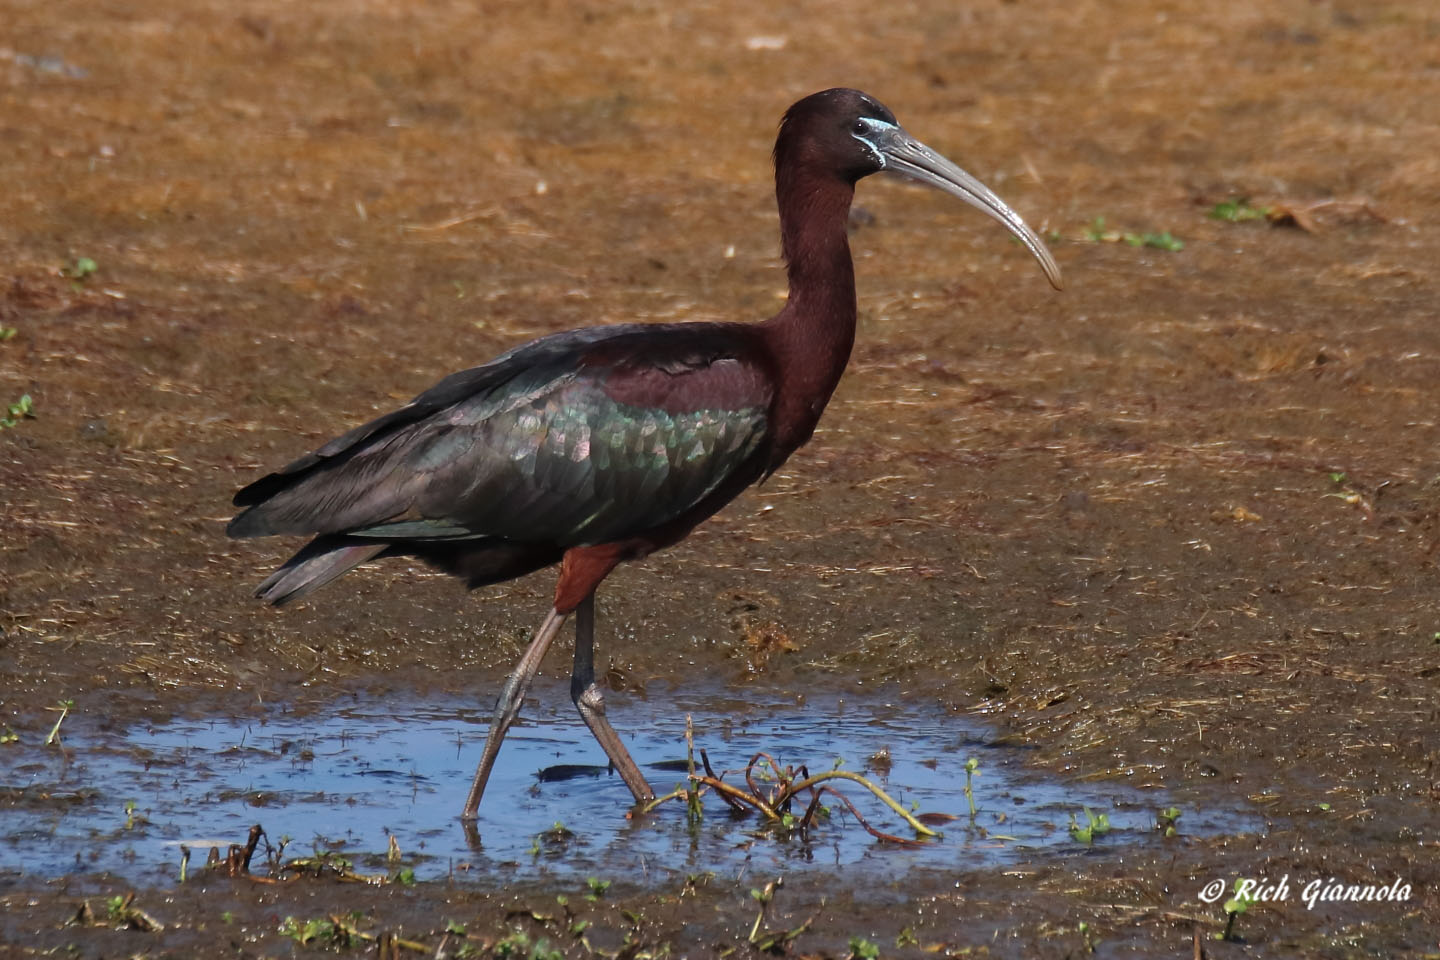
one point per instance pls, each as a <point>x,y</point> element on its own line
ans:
<point>507,708</point>
<point>591,702</point>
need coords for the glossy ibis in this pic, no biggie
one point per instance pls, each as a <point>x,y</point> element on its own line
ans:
<point>602,445</point>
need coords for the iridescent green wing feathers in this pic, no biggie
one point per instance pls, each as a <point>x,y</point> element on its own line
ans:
<point>572,440</point>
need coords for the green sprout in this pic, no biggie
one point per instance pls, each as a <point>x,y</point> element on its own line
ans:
<point>1160,241</point>
<point>1238,210</point>
<point>80,269</point>
<point>862,949</point>
<point>17,411</point>
<point>64,708</point>
<point>314,930</point>
<point>7,333</point>
<point>972,768</point>
<point>557,836</point>
<point>597,888</point>
<point>774,941</point>
<point>1096,233</point>
<point>1165,821</point>
<point>1096,825</point>
<point>1236,905</point>
<point>517,946</point>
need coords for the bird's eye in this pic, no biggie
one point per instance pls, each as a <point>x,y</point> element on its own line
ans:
<point>860,126</point>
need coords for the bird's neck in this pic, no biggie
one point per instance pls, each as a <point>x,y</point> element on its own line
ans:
<point>812,336</point>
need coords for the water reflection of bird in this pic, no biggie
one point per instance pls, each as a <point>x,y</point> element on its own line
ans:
<point>597,446</point>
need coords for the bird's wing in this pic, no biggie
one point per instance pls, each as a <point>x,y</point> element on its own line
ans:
<point>575,439</point>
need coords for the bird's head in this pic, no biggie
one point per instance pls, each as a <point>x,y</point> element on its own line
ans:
<point>848,134</point>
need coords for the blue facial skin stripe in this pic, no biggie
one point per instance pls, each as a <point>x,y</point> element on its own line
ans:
<point>877,128</point>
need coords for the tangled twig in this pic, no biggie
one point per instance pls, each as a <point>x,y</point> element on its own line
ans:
<point>789,784</point>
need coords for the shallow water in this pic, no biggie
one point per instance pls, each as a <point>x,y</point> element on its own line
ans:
<point>347,779</point>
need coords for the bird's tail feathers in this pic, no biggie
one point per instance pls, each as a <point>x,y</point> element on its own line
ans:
<point>320,561</point>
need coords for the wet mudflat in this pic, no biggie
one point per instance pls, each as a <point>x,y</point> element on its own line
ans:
<point>1172,530</point>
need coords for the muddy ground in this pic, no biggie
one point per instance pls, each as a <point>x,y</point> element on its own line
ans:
<point>1176,525</point>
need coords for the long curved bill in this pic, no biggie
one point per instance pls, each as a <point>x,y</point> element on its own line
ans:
<point>909,157</point>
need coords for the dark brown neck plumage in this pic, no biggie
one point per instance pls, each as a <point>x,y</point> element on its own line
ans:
<point>810,339</point>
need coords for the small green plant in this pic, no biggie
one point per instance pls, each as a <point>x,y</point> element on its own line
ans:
<point>64,707</point>
<point>314,930</point>
<point>1344,490</point>
<point>1238,903</point>
<point>862,949</point>
<point>906,938</point>
<point>1087,937</point>
<point>1096,825</point>
<point>7,333</point>
<point>17,411</point>
<point>556,837</point>
<point>1165,821</point>
<point>130,808</point>
<point>8,736</point>
<point>121,913</point>
<point>597,888</point>
<point>80,269</point>
<point>405,877</point>
<point>1160,241</point>
<point>517,946</point>
<point>762,897</point>
<point>972,769</point>
<point>1238,210</point>
<point>1096,233</point>
<point>775,941</point>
